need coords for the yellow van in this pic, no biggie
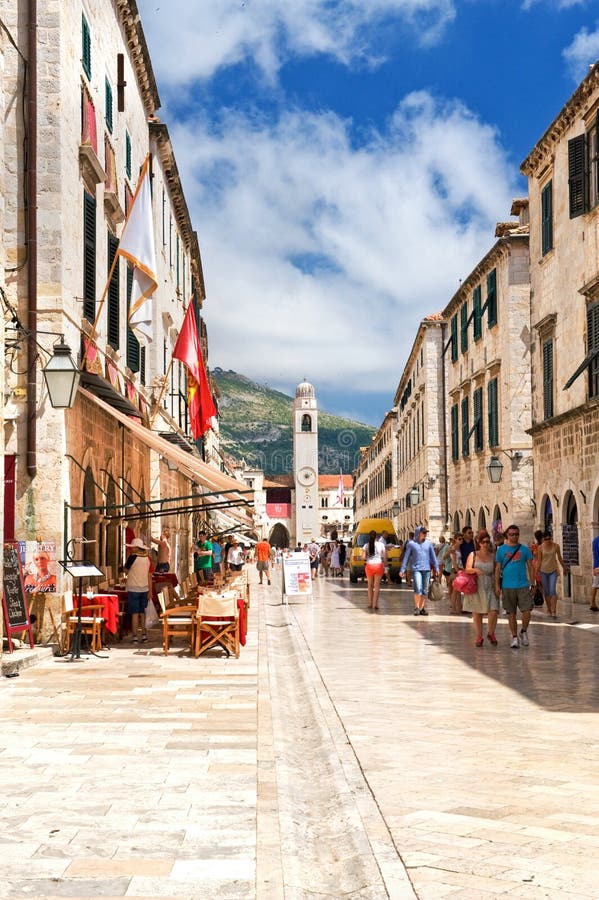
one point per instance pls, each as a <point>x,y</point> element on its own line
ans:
<point>360,538</point>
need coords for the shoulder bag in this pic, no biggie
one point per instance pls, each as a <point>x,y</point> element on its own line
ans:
<point>465,583</point>
<point>506,563</point>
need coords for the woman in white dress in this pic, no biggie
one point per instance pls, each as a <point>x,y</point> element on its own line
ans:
<point>335,564</point>
<point>482,564</point>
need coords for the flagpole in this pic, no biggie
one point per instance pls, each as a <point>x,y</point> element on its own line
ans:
<point>162,389</point>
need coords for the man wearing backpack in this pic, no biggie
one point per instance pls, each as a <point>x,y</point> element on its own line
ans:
<point>515,581</point>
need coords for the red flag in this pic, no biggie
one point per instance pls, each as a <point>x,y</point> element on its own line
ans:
<point>199,396</point>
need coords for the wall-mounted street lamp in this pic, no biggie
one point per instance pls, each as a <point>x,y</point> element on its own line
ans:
<point>495,466</point>
<point>61,376</point>
<point>428,481</point>
<point>395,509</point>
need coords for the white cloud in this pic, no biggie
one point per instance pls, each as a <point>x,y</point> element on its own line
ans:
<point>557,4</point>
<point>582,52</point>
<point>321,257</point>
<point>194,42</point>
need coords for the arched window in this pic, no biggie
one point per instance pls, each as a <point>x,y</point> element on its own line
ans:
<point>306,422</point>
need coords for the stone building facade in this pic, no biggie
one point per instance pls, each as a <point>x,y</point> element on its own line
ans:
<point>375,475</point>
<point>420,434</point>
<point>563,182</point>
<point>487,378</point>
<point>79,472</point>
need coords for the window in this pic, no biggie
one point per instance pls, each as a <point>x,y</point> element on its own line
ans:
<point>477,327</point>
<point>324,502</point>
<point>491,302</point>
<point>548,378</point>
<point>178,270</point>
<point>347,502</point>
<point>465,427</point>
<point>89,257</point>
<point>454,338</point>
<point>455,438</point>
<point>593,348</point>
<point>593,143</point>
<point>577,175</point>
<point>108,105</point>
<point>86,48</point>
<point>547,218</point>
<point>127,154</point>
<point>477,411</point>
<point>306,423</point>
<point>132,342</point>
<point>113,324</point>
<point>493,413</point>
<point>464,328</point>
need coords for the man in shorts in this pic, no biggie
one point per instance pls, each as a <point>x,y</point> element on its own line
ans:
<point>263,559</point>
<point>515,582</point>
<point>314,554</point>
<point>421,554</point>
<point>202,558</point>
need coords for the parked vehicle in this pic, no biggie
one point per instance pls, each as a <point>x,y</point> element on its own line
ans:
<point>360,538</point>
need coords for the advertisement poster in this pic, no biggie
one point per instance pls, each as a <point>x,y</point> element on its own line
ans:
<point>39,566</point>
<point>296,575</point>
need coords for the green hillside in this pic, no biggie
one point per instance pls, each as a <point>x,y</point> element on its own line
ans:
<point>256,425</point>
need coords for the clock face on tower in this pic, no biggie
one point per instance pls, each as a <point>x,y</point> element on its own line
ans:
<point>306,476</point>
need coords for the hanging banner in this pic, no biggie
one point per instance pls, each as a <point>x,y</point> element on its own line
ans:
<point>297,578</point>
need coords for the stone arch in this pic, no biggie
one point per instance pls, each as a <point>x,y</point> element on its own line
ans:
<point>496,521</point>
<point>456,521</point>
<point>482,519</point>
<point>279,536</point>
<point>547,514</point>
<point>306,422</point>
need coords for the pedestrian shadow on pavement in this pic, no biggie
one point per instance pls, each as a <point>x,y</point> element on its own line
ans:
<point>558,671</point>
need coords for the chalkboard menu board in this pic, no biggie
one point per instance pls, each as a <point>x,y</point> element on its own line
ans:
<point>14,603</point>
<point>570,544</point>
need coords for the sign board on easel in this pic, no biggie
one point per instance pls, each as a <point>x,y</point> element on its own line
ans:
<point>297,577</point>
<point>14,599</point>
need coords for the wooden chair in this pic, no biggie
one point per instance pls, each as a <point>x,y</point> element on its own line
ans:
<point>217,622</point>
<point>179,621</point>
<point>92,621</point>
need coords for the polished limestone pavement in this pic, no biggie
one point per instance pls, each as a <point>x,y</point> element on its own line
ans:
<point>345,754</point>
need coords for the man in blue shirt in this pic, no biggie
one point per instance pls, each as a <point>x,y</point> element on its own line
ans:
<point>515,581</point>
<point>421,553</point>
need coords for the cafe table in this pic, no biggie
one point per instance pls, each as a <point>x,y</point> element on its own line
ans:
<point>109,604</point>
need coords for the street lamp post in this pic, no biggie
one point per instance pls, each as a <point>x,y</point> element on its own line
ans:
<point>61,376</point>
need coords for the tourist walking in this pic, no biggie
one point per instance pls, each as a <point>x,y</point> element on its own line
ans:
<point>481,562</point>
<point>235,557</point>
<point>515,583</point>
<point>335,559</point>
<point>138,568</point>
<point>421,554</point>
<point>455,597</point>
<point>202,558</point>
<point>314,554</point>
<point>548,556</point>
<point>375,559</point>
<point>263,553</point>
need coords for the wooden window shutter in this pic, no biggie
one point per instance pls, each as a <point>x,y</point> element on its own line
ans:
<point>547,218</point>
<point>465,427</point>
<point>548,379</point>
<point>86,48</point>
<point>454,338</point>
<point>455,438</point>
<point>108,94</point>
<point>593,344</point>
<point>128,154</point>
<point>464,328</point>
<point>492,298</point>
<point>493,413</point>
<point>477,327</point>
<point>113,324</point>
<point>142,365</point>
<point>89,257</point>
<point>132,342</point>
<point>577,175</point>
<point>477,402</point>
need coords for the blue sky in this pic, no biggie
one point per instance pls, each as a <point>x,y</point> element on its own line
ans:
<point>345,163</point>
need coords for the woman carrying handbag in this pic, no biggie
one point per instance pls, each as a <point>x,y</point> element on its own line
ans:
<point>482,564</point>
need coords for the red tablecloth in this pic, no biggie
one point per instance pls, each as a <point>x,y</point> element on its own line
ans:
<point>110,608</point>
<point>163,578</point>
<point>243,620</point>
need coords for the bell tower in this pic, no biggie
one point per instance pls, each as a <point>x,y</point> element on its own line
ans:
<point>305,463</point>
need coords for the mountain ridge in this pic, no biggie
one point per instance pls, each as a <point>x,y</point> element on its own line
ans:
<point>256,424</point>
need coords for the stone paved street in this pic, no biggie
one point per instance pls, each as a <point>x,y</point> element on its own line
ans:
<point>345,754</point>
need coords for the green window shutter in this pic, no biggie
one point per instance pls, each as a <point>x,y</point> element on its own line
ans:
<point>493,413</point>
<point>455,438</point>
<point>177,263</point>
<point>86,48</point>
<point>132,342</point>
<point>464,328</point>
<point>454,338</point>
<point>492,298</point>
<point>89,257</point>
<point>142,365</point>
<point>113,301</point>
<point>184,277</point>
<point>465,427</point>
<point>108,93</point>
<point>577,176</point>
<point>127,154</point>
<point>593,344</point>
<point>547,218</point>
<point>477,411</point>
<point>477,324</point>
<point>548,379</point>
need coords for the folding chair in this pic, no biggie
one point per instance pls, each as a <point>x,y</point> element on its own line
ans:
<point>92,620</point>
<point>217,622</point>
<point>179,621</point>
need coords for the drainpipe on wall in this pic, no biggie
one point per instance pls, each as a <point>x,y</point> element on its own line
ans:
<point>444,433</point>
<point>31,217</point>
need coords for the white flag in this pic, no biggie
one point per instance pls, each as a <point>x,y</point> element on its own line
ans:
<point>137,246</point>
<point>340,492</point>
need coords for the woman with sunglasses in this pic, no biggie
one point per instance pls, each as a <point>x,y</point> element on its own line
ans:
<point>481,562</point>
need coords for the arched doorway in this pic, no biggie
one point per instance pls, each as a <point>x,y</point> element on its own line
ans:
<point>279,536</point>
<point>91,516</point>
<point>482,519</point>
<point>456,522</point>
<point>496,523</point>
<point>111,542</point>
<point>547,514</point>
<point>570,549</point>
